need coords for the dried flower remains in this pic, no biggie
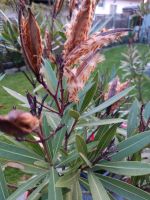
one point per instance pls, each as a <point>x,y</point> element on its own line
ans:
<point>31,41</point>
<point>18,123</point>
<point>81,49</point>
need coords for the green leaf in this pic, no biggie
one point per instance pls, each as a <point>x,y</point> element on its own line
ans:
<point>52,119</point>
<point>76,191</point>
<point>82,93</point>
<point>109,102</point>
<point>32,169</point>
<point>68,179</point>
<point>74,114</point>
<point>85,159</point>
<point>36,192</point>
<point>128,168</point>
<point>146,112</point>
<point>84,182</point>
<point>47,132</point>
<point>97,189</point>
<point>74,155</point>
<point>123,189</point>
<point>71,157</point>
<point>3,187</point>
<point>18,144</point>
<point>54,192</point>
<point>131,145</point>
<point>89,95</point>
<point>34,147</point>
<point>81,145</point>
<point>2,76</point>
<point>111,197</point>
<point>57,142</point>
<point>101,122</point>
<point>50,76</point>
<point>13,153</point>
<point>17,95</point>
<point>60,135</point>
<point>105,139</point>
<point>133,118</point>
<point>39,87</point>
<point>31,183</point>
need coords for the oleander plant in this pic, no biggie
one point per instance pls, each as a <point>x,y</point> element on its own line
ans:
<point>66,141</point>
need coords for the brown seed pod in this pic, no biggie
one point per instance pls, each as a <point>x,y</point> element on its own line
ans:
<point>93,43</point>
<point>57,7</point>
<point>78,29</point>
<point>18,123</point>
<point>31,41</point>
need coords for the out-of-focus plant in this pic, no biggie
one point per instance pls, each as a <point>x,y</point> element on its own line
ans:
<point>62,142</point>
<point>144,8</point>
<point>10,41</point>
<point>134,66</point>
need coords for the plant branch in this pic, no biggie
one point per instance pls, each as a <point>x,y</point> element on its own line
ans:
<point>40,103</point>
<point>41,81</point>
<point>43,139</point>
<point>67,135</point>
<point>32,82</point>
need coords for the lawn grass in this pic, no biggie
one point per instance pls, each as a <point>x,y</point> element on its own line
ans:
<point>19,83</point>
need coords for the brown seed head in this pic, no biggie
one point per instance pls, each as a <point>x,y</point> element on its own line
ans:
<point>77,31</point>
<point>18,123</point>
<point>57,6</point>
<point>31,41</point>
<point>77,77</point>
<point>115,87</point>
<point>93,43</point>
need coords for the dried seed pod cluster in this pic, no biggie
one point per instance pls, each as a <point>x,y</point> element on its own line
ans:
<point>81,50</point>
<point>18,123</point>
<point>115,87</point>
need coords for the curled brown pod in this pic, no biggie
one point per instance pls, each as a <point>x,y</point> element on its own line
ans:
<point>31,41</point>
<point>18,123</point>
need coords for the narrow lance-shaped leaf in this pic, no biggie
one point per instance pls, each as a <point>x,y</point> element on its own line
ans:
<point>47,132</point>
<point>96,187</point>
<point>128,168</point>
<point>36,192</point>
<point>16,95</point>
<point>50,76</point>
<point>54,192</point>
<point>101,122</point>
<point>105,139</point>
<point>81,145</point>
<point>31,183</point>
<point>89,95</point>
<point>133,118</point>
<point>13,153</point>
<point>59,136</point>
<point>123,189</point>
<point>131,145</point>
<point>109,102</point>
<point>3,187</point>
<point>146,113</point>
<point>76,191</point>
<point>68,179</point>
<point>71,157</point>
<point>85,159</point>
